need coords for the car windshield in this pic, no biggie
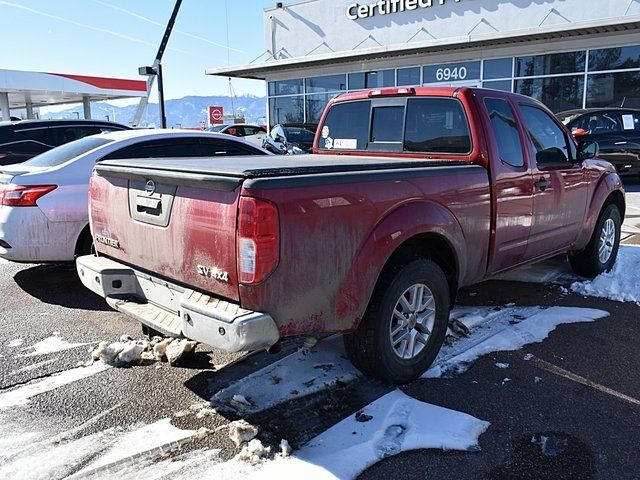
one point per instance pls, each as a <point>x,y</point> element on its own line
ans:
<point>299,135</point>
<point>216,128</point>
<point>66,152</point>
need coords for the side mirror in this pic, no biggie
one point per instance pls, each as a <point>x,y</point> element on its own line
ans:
<point>578,132</point>
<point>587,150</point>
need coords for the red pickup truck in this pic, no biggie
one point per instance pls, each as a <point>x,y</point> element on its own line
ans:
<point>411,194</point>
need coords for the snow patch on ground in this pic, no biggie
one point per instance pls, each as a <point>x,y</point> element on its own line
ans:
<point>43,454</point>
<point>49,345</point>
<point>34,366</point>
<point>21,395</point>
<point>622,284</point>
<point>302,373</point>
<point>399,423</point>
<point>495,329</point>
<point>143,439</point>
<point>15,343</point>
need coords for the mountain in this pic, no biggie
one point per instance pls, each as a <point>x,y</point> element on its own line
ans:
<point>184,112</point>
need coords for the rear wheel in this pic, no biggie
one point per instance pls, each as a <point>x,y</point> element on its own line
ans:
<point>405,324</point>
<point>601,252</point>
<point>84,245</point>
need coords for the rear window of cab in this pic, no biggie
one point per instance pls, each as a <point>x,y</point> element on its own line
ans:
<point>417,125</point>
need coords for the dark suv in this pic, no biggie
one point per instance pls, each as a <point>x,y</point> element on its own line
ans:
<point>20,141</point>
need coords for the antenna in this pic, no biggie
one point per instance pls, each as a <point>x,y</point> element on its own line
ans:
<point>231,92</point>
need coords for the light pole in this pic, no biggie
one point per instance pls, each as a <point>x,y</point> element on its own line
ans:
<point>157,71</point>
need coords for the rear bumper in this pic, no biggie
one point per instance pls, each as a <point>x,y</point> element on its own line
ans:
<point>28,236</point>
<point>176,311</point>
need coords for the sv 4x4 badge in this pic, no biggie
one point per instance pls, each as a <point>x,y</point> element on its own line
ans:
<point>212,272</point>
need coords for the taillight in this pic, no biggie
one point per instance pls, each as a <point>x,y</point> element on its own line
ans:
<point>258,239</point>
<point>19,196</point>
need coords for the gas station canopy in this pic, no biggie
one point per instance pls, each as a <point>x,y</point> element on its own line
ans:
<point>20,89</point>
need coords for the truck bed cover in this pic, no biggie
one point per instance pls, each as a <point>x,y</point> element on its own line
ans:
<point>270,166</point>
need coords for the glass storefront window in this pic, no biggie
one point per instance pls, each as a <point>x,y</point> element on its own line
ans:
<point>285,87</point>
<point>552,64</point>
<point>614,90</point>
<point>408,76</point>
<point>315,106</point>
<point>286,109</point>
<point>329,83</point>
<point>451,72</point>
<point>499,68</point>
<point>557,93</point>
<point>504,85</point>
<point>614,58</point>
<point>375,79</point>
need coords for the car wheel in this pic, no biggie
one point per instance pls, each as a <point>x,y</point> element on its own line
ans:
<point>601,252</point>
<point>404,326</point>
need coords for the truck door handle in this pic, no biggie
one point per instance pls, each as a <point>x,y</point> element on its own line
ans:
<point>621,143</point>
<point>542,184</point>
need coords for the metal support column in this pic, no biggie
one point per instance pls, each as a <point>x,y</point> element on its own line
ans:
<point>4,106</point>
<point>30,111</point>
<point>86,106</point>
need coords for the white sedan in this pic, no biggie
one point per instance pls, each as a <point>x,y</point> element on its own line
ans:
<point>44,201</point>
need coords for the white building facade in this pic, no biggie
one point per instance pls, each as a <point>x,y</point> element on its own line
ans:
<point>567,53</point>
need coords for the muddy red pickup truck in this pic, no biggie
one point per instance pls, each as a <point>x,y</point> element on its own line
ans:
<point>411,193</point>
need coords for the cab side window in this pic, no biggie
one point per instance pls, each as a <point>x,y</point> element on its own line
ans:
<point>505,131</point>
<point>548,139</point>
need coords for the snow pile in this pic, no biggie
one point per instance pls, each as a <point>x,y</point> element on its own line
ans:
<point>398,424</point>
<point>241,432</point>
<point>15,343</point>
<point>621,284</point>
<point>253,452</point>
<point>52,344</point>
<point>494,329</point>
<point>128,351</point>
<point>312,369</point>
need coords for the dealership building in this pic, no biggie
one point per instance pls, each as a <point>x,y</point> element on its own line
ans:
<point>567,53</point>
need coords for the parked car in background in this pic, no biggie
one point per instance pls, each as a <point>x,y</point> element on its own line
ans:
<point>43,202</point>
<point>20,141</point>
<point>252,133</point>
<point>616,130</point>
<point>290,138</point>
<point>413,194</point>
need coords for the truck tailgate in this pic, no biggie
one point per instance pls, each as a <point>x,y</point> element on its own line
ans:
<point>177,225</point>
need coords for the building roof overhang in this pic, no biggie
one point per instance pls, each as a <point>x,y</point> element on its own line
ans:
<point>260,71</point>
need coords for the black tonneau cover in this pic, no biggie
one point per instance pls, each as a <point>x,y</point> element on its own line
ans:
<point>226,173</point>
<point>273,165</point>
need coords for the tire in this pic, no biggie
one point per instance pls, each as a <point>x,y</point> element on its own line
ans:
<point>374,350</point>
<point>589,263</point>
<point>85,244</point>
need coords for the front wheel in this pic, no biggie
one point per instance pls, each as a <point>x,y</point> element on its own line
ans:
<point>601,252</point>
<point>405,324</point>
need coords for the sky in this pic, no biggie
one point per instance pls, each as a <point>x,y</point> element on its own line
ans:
<point>114,37</point>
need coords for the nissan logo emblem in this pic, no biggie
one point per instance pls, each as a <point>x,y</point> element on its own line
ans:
<point>150,187</point>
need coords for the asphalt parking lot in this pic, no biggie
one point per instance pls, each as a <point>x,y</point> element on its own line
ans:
<point>568,407</point>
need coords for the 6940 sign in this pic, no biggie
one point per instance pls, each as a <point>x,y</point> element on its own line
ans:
<point>451,72</point>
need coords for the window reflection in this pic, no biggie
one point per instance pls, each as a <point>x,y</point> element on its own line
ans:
<point>614,90</point>
<point>557,93</point>
<point>286,110</point>
<point>552,64</point>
